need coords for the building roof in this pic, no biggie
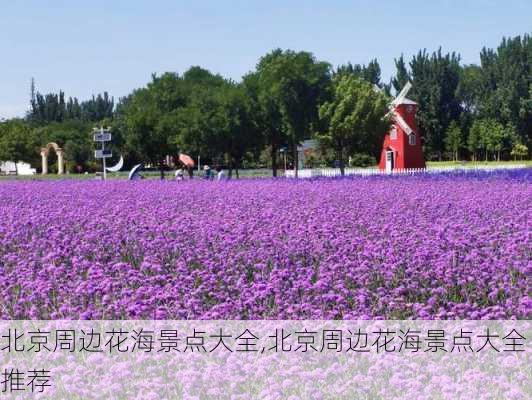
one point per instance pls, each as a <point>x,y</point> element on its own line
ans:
<point>406,101</point>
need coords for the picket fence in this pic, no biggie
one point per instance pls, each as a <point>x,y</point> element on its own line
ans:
<point>332,172</point>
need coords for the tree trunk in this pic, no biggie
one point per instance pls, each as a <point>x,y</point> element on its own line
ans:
<point>295,159</point>
<point>274,160</point>
<point>342,166</point>
<point>161,169</point>
<point>498,155</point>
<point>230,173</point>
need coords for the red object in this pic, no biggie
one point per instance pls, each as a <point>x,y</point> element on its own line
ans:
<point>404,148</point>
<point>186,160</point>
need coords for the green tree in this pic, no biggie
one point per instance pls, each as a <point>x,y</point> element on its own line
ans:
<point>295,83</point>
<point>18,142</point>
<point>148,118</point>
<point>476,139</point>
<point>266,115</point>
<point>434,79</point>
<point>370,73</point>
<point>402,75</point>
<point>356,118</point>
<point>506,89</point>
<point>75,137</point>
<point>453,139</point>
<point>519,151</point>
<point>238,133</point>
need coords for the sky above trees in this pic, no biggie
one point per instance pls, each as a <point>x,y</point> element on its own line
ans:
<point>86,48</point>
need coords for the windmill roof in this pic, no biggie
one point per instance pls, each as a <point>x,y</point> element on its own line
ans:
<point>406,101</point>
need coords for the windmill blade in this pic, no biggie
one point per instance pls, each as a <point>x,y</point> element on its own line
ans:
<point>117,167</point>
<point>402,94</point>
<point>402,123</point>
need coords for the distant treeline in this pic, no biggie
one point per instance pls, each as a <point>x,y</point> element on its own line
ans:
<point>465,112</point>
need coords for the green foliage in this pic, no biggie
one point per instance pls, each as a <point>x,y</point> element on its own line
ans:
<point>52,107</point>
<point>266,115</point>
<point>198,113</point>
<point>291,85</point>
<point>519,151</point>
<point>355,117</point>
<point>362,160</point>
<point>484,111</point>
<point>370,73</point>
<point>17,141</point>
<point>489,136</point>
<point>453,139</point>
<point>401,76</point>
<point>435,80</point>
<point>506,89</point>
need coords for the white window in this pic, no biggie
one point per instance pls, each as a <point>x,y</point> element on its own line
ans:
<point>412,139</point>
<point>393,133</point>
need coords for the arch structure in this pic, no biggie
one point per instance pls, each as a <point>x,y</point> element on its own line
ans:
<point>60,158</point>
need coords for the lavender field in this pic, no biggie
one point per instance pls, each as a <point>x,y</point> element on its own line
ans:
<point>429,247</point>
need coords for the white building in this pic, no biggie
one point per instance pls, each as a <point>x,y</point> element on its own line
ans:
<point>12,168</point>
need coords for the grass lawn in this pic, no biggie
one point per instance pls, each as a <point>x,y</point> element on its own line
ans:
<point>247,173</point>
<point>528,163</point>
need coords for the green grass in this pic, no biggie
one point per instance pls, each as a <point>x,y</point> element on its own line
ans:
<point>244,173</point>
<point>247,173</point>
<point>528,163</point>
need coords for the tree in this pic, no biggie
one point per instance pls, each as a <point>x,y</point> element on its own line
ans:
<point>17,141</point>
<point>266,115</point>
<point>199,125</point>
<point>370,73</point>
<point>401,76</point>
<point>74,136</point>
<point>237,130</point>
<point>506,86</point>
<point>52,107</point>
<point>295,83</point>
<point>356,118</point>
<point>475,140</point>
<point>149,117</point>
<point>453,139</point>
<point>435,79</point>
<point>519,150</point>
<point>146,130</point>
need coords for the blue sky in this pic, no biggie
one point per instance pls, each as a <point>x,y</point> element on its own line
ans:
<point>86,47</point>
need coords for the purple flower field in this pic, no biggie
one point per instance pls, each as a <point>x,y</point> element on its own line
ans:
<point>438,246</point>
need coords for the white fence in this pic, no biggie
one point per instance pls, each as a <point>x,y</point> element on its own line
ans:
<point>332,172</point>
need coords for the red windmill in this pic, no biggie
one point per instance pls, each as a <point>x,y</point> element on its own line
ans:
<point>402,144</point>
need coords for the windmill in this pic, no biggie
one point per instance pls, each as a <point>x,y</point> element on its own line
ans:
<point>402,145</point>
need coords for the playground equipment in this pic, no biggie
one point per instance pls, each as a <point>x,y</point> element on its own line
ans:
<point>134,174</point>
<point>117,167</point>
